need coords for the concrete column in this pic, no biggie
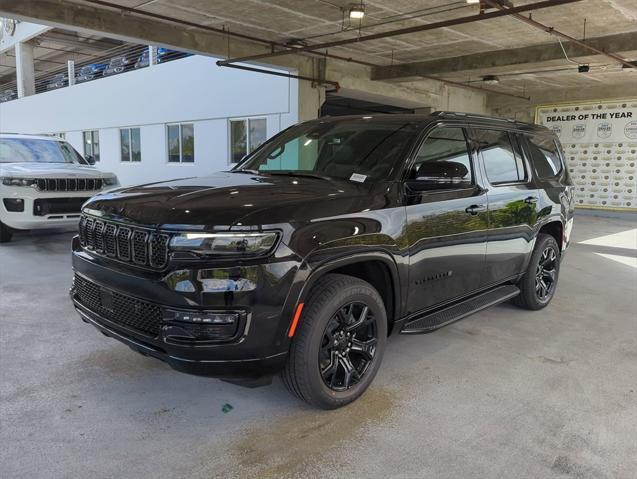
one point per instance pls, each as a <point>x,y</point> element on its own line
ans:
<point>152,55</point>
<point>25,72</point>
<point>71,72</point>
<point>310,100</point>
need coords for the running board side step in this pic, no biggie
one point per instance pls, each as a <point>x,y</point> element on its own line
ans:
<point>437,319</point>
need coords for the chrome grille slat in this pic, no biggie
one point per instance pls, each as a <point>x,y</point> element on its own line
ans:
<point>137,245</point>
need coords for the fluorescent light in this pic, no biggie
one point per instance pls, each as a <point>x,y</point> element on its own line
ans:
<point>473,1</point>
<point>357,12</point>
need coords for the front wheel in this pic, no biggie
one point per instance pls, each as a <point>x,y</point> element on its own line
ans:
<point>339,342</point>
<point>538,285</point>
<point>5,233</point>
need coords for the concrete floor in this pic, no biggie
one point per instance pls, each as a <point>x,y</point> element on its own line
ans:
<point>504,393</point>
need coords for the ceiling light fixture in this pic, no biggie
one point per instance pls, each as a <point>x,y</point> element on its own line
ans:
<point>473,1</point>
<point>490,79</point>
<point>357,12</point>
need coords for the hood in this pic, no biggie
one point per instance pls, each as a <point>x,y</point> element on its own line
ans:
<point>225,199</point>
<point>50,170</point>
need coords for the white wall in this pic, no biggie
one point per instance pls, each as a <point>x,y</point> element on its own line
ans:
<point>192,90</point>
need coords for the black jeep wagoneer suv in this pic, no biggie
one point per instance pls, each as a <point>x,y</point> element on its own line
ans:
<point>334,233</point>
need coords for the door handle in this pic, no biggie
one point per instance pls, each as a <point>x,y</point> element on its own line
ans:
<point>475,209</point>
<point>531,200</point>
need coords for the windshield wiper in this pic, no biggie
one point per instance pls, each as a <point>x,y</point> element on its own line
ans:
<point>297,173</point>
<point>245,171</point>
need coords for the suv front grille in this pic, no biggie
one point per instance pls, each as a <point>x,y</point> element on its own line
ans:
<point>133,313</point>
<point>140,246</point>
<point>69,184</point>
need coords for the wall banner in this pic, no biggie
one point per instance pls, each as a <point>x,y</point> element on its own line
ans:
<point>600,144</point>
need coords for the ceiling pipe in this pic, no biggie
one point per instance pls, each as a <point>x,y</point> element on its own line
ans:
<point>404,31</point>
<point>335,84</point>
<point>553,31</point>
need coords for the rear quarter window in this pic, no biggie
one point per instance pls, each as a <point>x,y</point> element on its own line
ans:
<point>544,155</point>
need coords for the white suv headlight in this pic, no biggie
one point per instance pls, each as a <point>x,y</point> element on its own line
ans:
<point>110,181</point>
<point>8,181</point>
<point>225,244</point>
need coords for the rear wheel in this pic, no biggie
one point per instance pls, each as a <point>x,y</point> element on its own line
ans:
<point>5,233</point>
<point>339,342</point>
<point>539,283</point>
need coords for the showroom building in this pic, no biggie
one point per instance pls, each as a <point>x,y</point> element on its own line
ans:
<point>167,119</point>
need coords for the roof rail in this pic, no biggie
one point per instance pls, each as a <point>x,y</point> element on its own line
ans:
<point>473,115</point>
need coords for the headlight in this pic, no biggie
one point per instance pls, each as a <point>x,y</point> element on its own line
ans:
<point>225,244</point>
<point>7,181</point>
<point>110,181</point>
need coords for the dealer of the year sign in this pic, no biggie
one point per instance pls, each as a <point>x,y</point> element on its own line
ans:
<point>600,143</point>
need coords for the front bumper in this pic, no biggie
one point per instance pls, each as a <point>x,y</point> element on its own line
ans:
<point>238,368</point>
<point>260,346</point>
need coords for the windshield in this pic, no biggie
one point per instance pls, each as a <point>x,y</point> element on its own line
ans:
<point>29,150</point>
<point>358,150</point>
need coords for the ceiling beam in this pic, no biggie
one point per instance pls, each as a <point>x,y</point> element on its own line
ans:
<point>622,42</point>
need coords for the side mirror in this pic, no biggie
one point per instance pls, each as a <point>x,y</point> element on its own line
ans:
<point>440,175</point>
<point>89,159</point>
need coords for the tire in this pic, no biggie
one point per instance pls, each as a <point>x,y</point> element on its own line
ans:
<point>544,265</point>
<point>335,305</point>
<point>5,233</point>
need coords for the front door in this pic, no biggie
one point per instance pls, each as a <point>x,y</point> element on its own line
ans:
<point>513,200</point>
<point>446,220</point>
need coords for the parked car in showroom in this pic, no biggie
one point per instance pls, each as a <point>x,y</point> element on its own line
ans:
<point>118,64</point>
<point>90,72</point>
<point>328,237</point>
<point>43,183</point>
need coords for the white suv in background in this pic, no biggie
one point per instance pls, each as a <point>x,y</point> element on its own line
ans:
<point>43,183</point>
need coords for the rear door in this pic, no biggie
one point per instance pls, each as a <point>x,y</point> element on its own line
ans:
<point>512,200</point>
<point>446,219</point>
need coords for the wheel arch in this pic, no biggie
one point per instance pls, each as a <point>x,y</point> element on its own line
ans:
<point>555,228</point>
<point>376,268</point>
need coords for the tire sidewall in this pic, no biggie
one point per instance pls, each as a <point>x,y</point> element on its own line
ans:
<point>539,249</point>
<point>318,387</point>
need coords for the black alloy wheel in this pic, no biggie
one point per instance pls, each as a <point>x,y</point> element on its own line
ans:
<point>538,285</point>
<point>348,346</point>
<point>339,342</point>
<point>546,274</point>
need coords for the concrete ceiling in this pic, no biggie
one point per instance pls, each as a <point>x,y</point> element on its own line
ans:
<point>319,21</point>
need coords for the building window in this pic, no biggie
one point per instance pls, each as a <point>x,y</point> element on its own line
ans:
<point>181,143</point>
<point>130,144</point>
<point>92,145</point>
<point>246,136</point>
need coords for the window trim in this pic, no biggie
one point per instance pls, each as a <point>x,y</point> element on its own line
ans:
<point>181,149</point>
<point>474,128</point>
<point>424,135</point>
<point>560,156</point>
<point>130,145</point>
<point>246,120</point>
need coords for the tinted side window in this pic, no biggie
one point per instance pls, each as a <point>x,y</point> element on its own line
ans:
<point>500,160</point>
<point>444,158</point>
<point>544,155</point>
